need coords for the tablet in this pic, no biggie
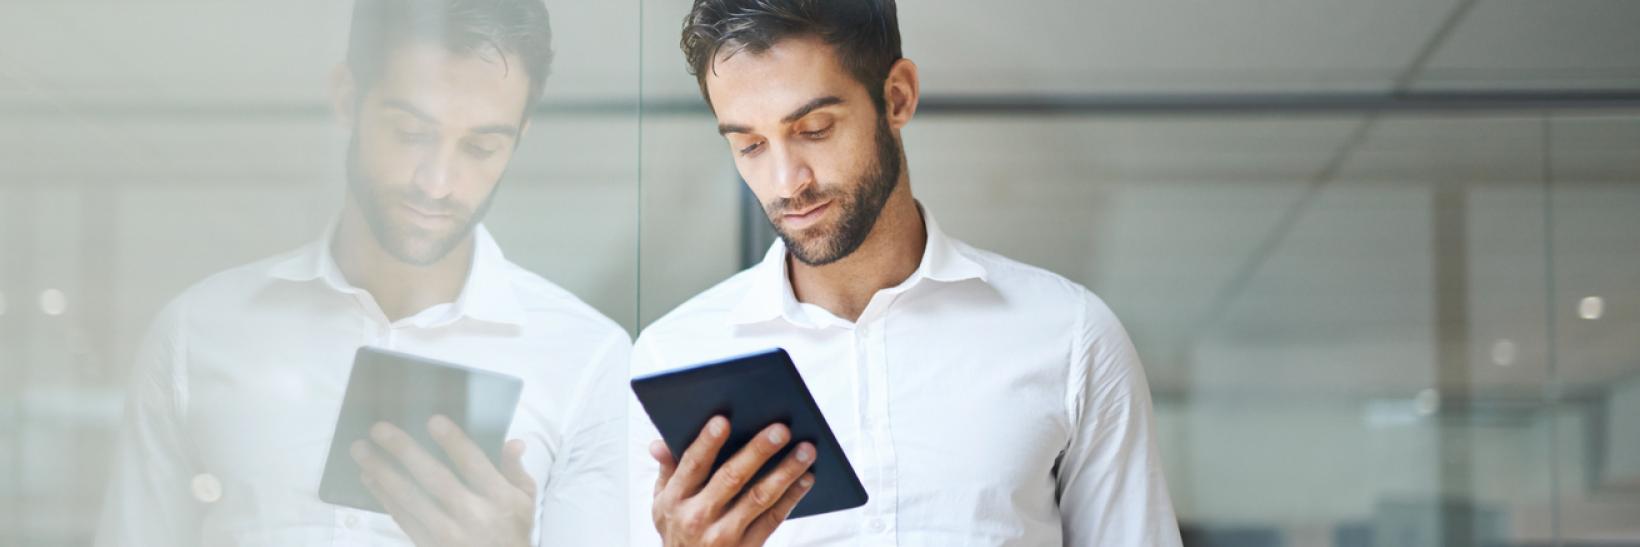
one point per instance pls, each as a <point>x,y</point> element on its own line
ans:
<point>406,390</point>
<point>753,392</point>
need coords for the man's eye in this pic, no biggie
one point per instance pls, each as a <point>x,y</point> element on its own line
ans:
<point>818,133</point>
<point>753,148</point>
<point>480,152</point>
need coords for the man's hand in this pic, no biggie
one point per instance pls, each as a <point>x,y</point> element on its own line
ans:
<point>692,509</point>
<point>482,506</point>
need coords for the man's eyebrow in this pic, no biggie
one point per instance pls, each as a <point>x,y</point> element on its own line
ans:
<point>725,129</point>
<point>819,103</point>
<point>813,105</point>
<point>410,109</point>
<point>497,129</point>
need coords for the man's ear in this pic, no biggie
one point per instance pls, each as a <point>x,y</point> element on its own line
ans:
<point>344,95</point>
<point>900,93</point>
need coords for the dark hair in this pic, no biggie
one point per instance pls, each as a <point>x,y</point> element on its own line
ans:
<point>506,29</point>
<point>864,33</point>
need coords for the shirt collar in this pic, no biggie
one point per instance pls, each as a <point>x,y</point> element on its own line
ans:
<point>770,294</point>
<point>487,296</point>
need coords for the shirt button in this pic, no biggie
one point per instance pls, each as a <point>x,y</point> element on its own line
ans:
<point>350,521</point>
<point>206,487</point>
<point>877,525</point>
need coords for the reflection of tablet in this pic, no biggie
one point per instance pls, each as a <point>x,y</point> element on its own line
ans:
<point>752,392</point>
<point>406,390</point>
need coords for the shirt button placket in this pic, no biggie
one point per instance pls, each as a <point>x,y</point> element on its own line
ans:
<point>347,526</point>
<point>881,514</point>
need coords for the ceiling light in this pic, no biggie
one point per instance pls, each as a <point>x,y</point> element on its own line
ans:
<point>1427,402</point>
<point>1504,352</point>
<point>1591,307</point>
<point>53,302</point>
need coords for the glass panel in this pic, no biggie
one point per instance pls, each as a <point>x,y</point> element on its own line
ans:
<point>182,152</point>
<point>1592,203</point>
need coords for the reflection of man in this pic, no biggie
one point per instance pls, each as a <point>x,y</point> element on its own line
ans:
<point>982,401</point>
<point>236,392</point>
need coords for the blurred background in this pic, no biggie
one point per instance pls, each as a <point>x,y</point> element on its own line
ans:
<point>1381,259</point>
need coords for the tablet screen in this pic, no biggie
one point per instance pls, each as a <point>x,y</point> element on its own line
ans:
<point>407,390</point>
<point>753,392</point>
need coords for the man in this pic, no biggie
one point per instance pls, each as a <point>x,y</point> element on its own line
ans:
<point>981,401</point>
<point>236,391</point>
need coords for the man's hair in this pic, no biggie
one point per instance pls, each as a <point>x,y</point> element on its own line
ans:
<point>865,34</point>
<point>515,33</point>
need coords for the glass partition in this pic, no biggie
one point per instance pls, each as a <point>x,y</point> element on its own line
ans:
<point>1378,259</point>
<point>173,171</point>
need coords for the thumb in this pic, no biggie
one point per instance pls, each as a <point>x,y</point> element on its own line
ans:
<point>512,467</point>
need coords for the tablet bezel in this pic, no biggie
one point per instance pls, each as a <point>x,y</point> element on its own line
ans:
<point>828,494</point>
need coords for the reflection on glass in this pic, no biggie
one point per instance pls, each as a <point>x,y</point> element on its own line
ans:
<point>216,205</point>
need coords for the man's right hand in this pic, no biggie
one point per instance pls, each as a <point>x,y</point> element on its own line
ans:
<point>695,507</point>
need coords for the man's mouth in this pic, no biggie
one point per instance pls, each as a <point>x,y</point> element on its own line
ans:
<point>805,217</point>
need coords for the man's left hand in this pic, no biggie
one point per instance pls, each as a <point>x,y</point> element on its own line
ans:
<point>474,505</point>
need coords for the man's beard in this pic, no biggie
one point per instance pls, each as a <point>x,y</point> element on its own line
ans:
<point>409,244</point>
<point>858,211</point>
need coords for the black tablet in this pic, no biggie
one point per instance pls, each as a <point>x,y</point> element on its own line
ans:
<point>753,392</point>
<point>406,390</point>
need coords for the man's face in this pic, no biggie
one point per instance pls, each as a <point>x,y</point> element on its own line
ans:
<point>430,142</point>
<point>809,142</point>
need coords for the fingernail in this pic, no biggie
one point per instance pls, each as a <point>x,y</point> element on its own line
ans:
<point>716,427</point>
<point>806,482</point>
<point>379,431</point>
<point>805,453</point>
<point>358,451</point>
<point>438,425</point>
<point>777,436</point>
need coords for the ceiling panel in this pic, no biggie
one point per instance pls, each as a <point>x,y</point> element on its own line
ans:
<point>1081,46</point>
<point>203,52</point>
<point>1537,44</point>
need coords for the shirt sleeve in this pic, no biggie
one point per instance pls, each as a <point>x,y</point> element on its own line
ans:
<point>584,501</point>
<point>150,499</point>
<point>641,468</point>
<point>1111,488</point>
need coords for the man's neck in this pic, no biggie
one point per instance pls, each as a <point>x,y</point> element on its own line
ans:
<point>889,255</point>
<point>400,289</point>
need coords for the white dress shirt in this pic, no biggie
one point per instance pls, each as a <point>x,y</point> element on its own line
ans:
<point>236,390</point>
<point>982,402</point>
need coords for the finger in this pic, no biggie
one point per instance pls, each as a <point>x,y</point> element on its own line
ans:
<point>432,475</point>
<point>772,487</point>
<point>407,522</point>
<point>736,473</point>
<point>512,466</point>
<point>469,460</point>
<point>663,456</point>
<point>698,458</point>
<point>392,488</point>
<point>765,525</point>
